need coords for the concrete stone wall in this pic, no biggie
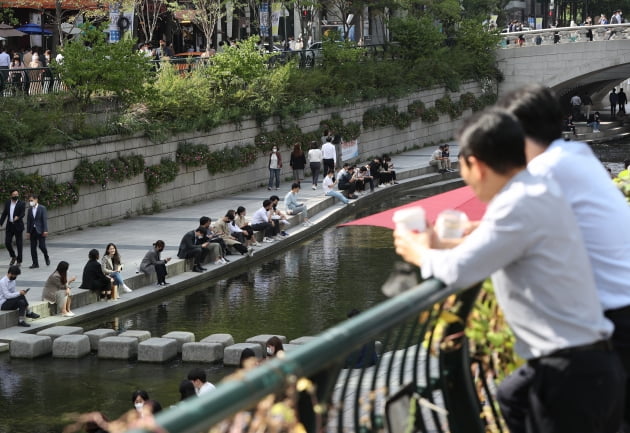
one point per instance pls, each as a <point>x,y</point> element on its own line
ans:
<point>118,200</point>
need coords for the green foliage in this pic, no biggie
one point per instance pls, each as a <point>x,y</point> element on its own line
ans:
<point>378,117</point>
<point>415,109</point>
<point>103,171</point>
<point>92,66</point>
<point>430,115</point>
<point>192,155</point>
<point>164,172</point>
<point>283,138</point>
<point>473,38</point>
<point>349,131</point>
<point>231,159</point>
<point>445,105</point>
<point>51,194</point>
<point>417,38</point>
<point>491,338</point>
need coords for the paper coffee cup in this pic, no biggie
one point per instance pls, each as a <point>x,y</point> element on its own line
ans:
<point>450,224</point>
<point>411,218</point>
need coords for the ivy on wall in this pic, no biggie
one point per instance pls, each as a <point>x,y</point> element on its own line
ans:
<point>103,171</point>
<point>51,194</point>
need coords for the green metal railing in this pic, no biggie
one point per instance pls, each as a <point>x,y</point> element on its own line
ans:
<point>422,381</point>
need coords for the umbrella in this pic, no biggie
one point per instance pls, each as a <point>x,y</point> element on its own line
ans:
<point>34,29</point>
<point>6,31</point>
<point>462,199</point>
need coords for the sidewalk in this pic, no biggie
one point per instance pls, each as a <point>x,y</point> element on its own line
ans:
<point>135,236</point>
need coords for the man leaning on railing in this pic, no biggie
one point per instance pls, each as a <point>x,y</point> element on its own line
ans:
<point>529,240</point>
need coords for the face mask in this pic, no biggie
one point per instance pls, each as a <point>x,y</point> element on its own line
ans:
<point>199,237</point>
<point>269,351</point>
<point>274,150</point>
<point>14,198</point>
<point>31,203</point>
<point>139,406</point>
<point>12,278</point>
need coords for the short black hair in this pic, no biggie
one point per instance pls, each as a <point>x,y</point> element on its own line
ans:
<point>197,373</point>
<point>295,185</point>
<point>494,137</point>
<point>274,198</point>
<point>202,230</point>
<point>14,270</point>
<point>266,203</point>
<point>204,220</point>
<point>537,109</point>
<point>93,254</point>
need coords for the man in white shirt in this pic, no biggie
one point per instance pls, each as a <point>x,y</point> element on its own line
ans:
<point>329,155</point>
<point>437,160</point>
<point>13,299</point>
<point>601,211</point>
<point>530,242</point>
<point>198,378</point>
<point>262,222</point>
<point>5,61</point>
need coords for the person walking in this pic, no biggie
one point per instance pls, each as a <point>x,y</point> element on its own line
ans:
<point>612,98</point>
<point>37,230</point>
<point>13,213</point>
<point>315,162</point>
<point>329,155</point>
<point>587,102</point>
<point>622,100</point>
<point>297,163</point>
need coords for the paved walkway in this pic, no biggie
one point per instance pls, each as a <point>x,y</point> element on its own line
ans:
<point>134,237</point>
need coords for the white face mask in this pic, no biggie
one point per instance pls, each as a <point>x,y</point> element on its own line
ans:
<point>274,150</point>
<point>269,351</point>
<point>31,203</point>
<point>138,406</point>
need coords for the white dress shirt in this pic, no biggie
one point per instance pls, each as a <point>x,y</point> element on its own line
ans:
<point>261,216</point>
<point>329,151</point>
<point>530,242</point>
<point>602,214</point>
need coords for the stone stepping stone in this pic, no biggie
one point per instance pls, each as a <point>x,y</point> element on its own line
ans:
<point>181,338</point>
<point>30,346</point>
<point>57,331</point>
<point>71,346</point>
<point>202,352</point>
<point>137,334</point>
<point>118,347</point>
<point>95,336</point>
<point>225,339</point>
<point>232,354</point>
<point>157,350</point>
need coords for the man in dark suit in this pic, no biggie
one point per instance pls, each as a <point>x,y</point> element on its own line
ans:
<point>13,213</point>
<point>37,229</point>
<point>194,245</point>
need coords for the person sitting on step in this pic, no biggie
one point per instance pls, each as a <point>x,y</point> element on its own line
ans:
<point>94,279</point>
<point>13,299</point>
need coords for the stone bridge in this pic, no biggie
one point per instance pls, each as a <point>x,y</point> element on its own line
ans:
<point>566,60</point>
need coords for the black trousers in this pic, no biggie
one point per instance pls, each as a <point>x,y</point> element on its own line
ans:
<point>267,228</point>
<point>576,392</point>
<point>329,164</point>
<point>160,272</point>
<point>621,343</point>
<point>198,254</point>
<point>9,234</point>
<point>38,239</point>
<point>19,303</point>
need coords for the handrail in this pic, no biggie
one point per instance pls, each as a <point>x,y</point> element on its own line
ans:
<point>322,360</point>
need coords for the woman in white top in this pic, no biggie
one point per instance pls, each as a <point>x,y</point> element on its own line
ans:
<point>275,165</point>
<point>315,162</point>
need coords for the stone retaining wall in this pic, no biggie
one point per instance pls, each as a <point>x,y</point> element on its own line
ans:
<point>98,205</point>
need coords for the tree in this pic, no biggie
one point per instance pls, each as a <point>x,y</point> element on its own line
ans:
<point>91,66</point>
<point>150,13</point>
<point>209,12</point>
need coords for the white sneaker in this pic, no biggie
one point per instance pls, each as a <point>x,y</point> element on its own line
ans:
<point>267,240</point>
<point>126,289</point>
<point>68,314</point>
<point>314,187</point>
<point>255,244</point>
<point>250,252</point>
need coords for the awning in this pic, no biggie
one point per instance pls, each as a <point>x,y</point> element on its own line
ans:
<point>462,199</point>
<point>50,4</point>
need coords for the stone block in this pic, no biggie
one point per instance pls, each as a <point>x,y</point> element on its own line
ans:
<point>302,340</point>
<point>95,336</point>
<point>58,331</point>
<point>202,352</point>
<point>232,354</point>
<point>118,347</point>
<point>138,335</point>
<point>71,346</point>
<point>181,338</point>
<point>225,339</point>
<point>4,347</point>
<point>262,340</point>
<point>157,350</point>
<point>290,347</point>
<point>30,346</point>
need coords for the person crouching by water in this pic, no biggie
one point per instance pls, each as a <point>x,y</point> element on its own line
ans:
<point>13,299</point>
<point>94,279</point>
<point>57,289</point>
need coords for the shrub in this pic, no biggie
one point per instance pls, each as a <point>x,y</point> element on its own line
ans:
<point>192,155</point>
<point>164,172</point>
<point>231,159</point>
<point>103,171</point>
<point>430,115</point>
<point>415,109</point>
<point>379,116</point>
